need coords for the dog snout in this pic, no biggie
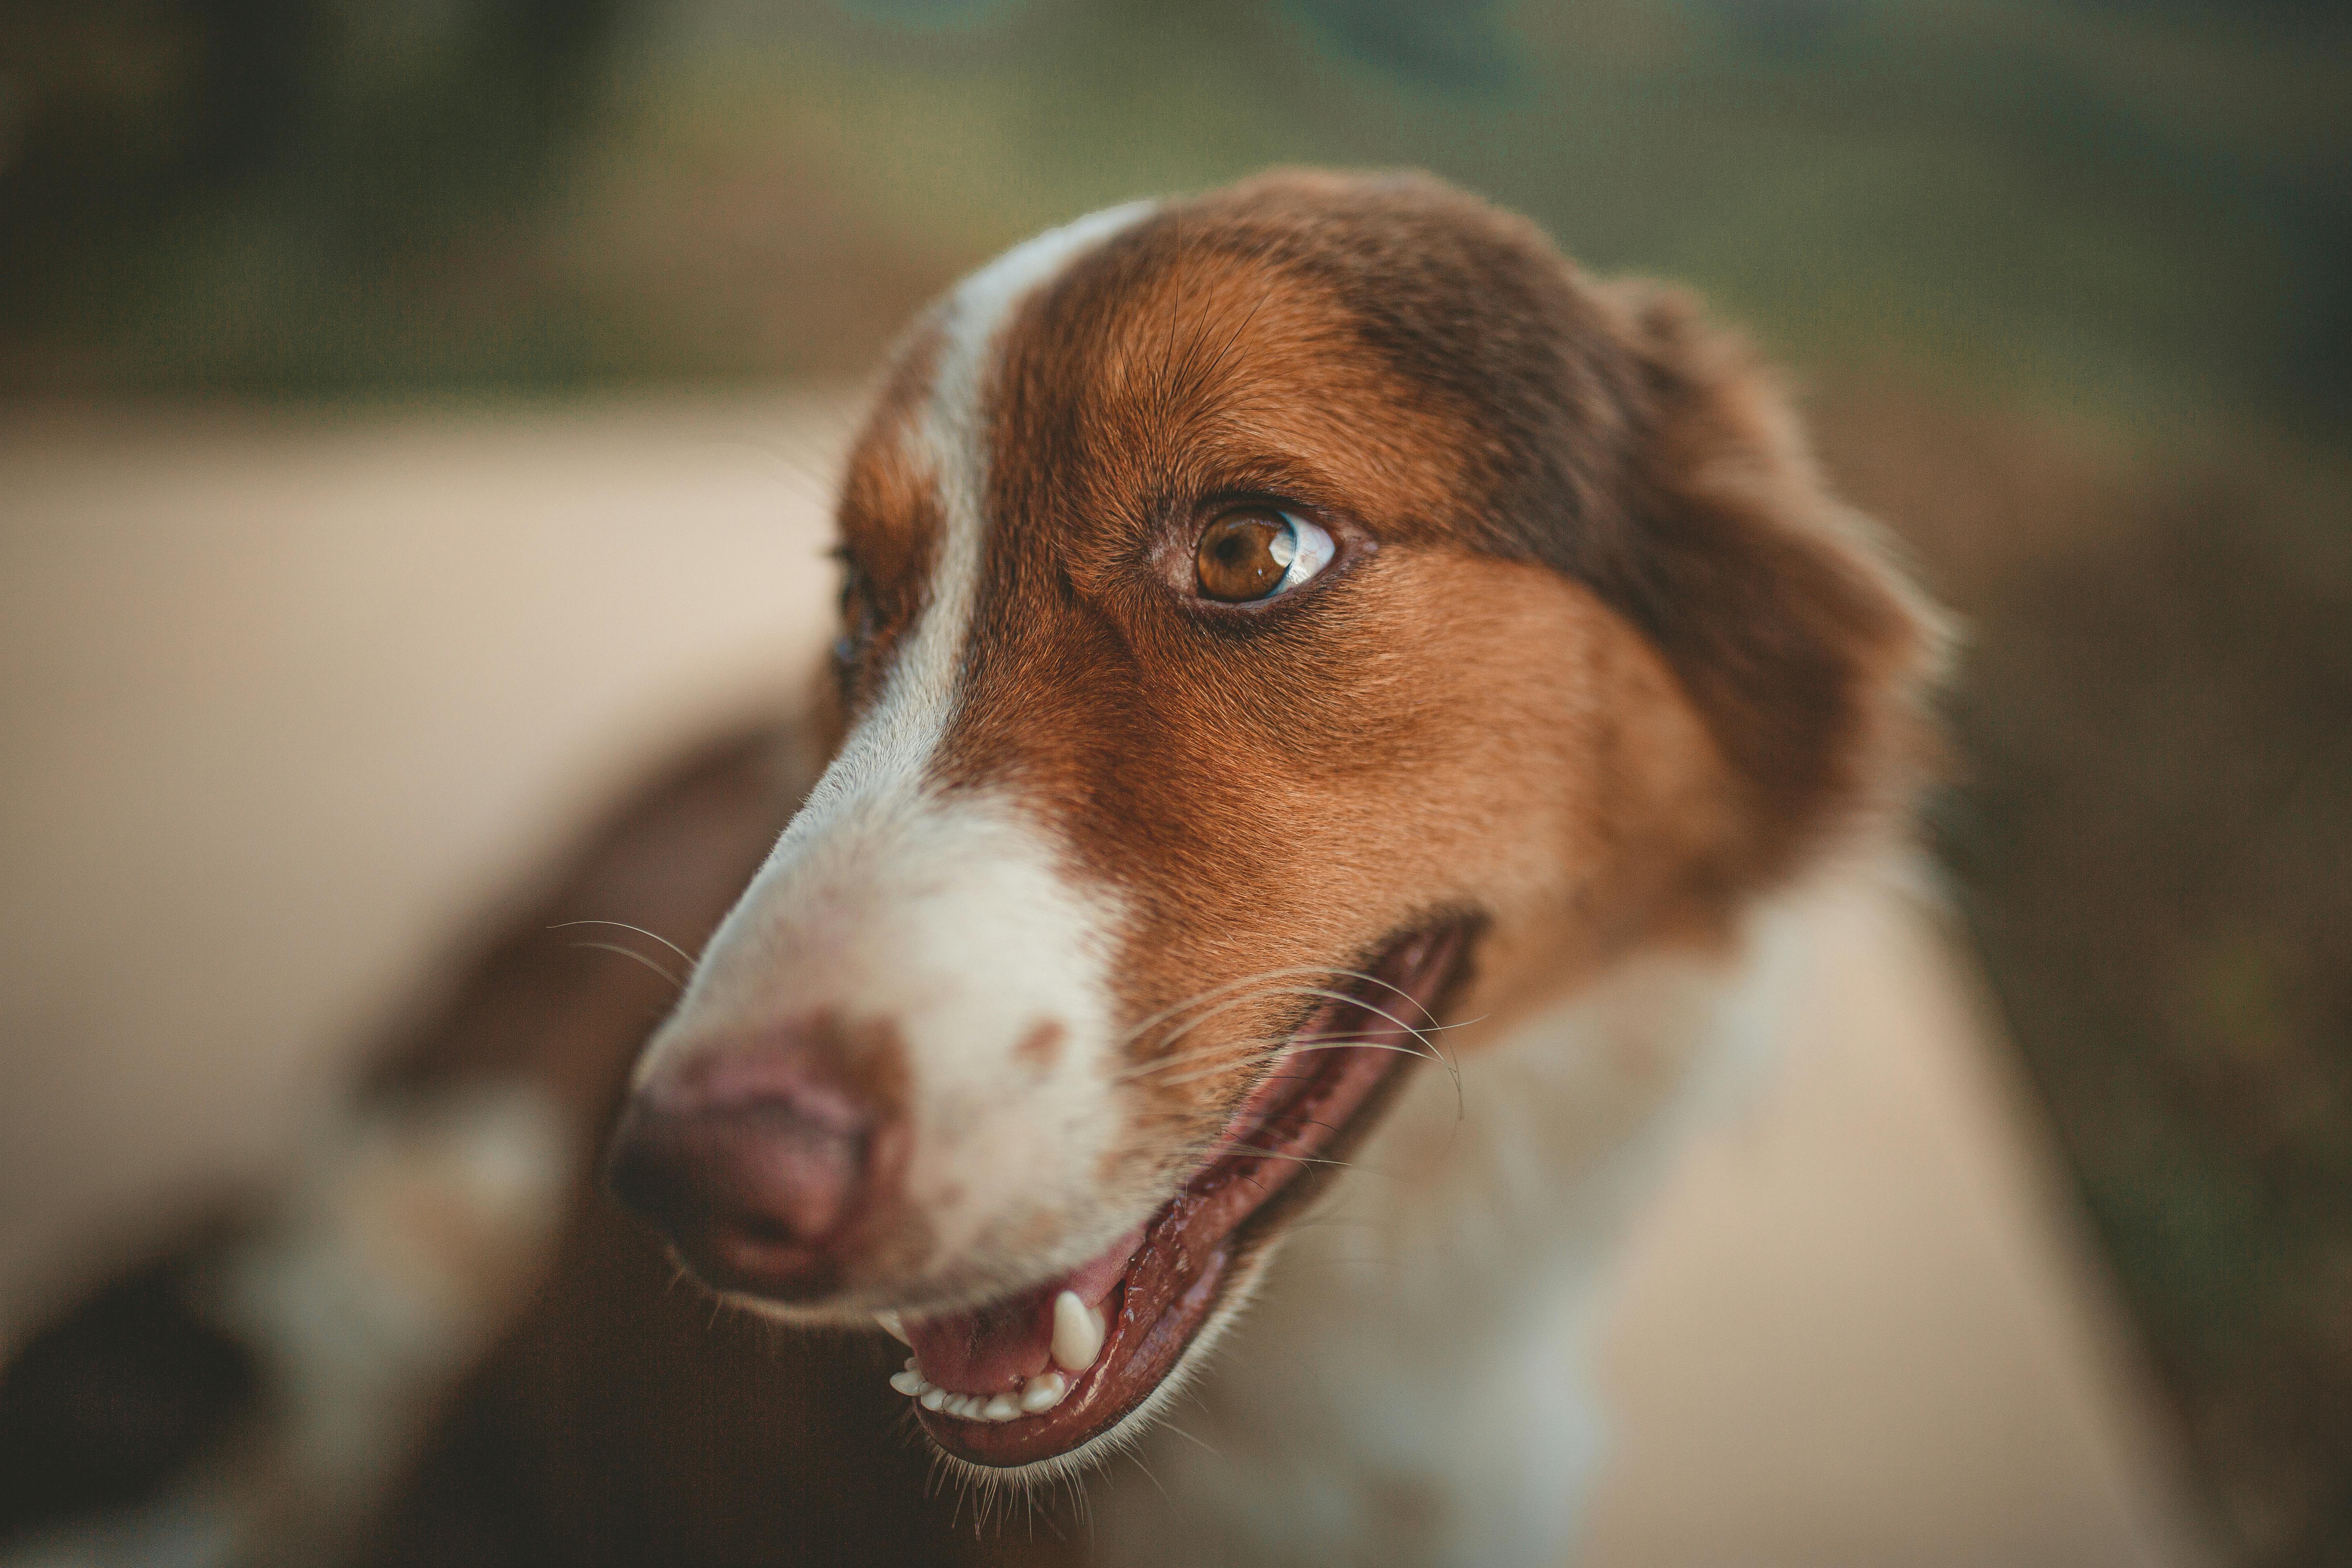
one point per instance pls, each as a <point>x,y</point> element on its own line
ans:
<point>763,1163</point>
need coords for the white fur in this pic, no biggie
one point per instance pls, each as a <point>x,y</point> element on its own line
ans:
<point>946,914</point>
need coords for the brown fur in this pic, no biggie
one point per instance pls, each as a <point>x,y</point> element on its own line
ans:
<point>888,524</point>
<point>1590,591</point>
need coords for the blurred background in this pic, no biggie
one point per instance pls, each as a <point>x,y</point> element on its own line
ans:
<point>2066,285</point>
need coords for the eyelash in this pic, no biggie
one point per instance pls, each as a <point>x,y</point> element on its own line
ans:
<point>857,620</point>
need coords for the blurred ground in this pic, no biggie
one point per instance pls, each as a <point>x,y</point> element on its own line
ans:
<point>291,700</point>
<point>348,678</point>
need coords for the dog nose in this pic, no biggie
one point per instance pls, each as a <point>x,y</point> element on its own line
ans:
<point>758,1162</point>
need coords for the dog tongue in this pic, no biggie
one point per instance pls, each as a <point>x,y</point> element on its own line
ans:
<point>994,1349</point>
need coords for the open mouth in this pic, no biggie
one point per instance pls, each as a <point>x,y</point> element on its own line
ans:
<point>1028,1379</point>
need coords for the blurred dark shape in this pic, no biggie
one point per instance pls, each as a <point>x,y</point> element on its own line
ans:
<point>2154,848</point>
<point>1780,27</point>
<point>928,13</point>
<point>251,91</point>
<point>2320,310</point>
<point>1459,48</point>
<point>366,134</point>
<point>2162,882</point>
<point>103,1407</point>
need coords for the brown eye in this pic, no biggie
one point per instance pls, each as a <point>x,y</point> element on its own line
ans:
<point>1256,553</point>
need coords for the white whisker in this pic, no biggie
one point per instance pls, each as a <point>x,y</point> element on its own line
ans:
<point>689,958</point>
<point>1200,996</point>
<point>1332,1046</point>
<point>1341,996</point>
<point>631,952</point>
<point>1265,1043</point>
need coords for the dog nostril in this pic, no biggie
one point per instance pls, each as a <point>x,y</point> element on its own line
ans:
<point>758,1228</point>
<point>755,1162</point>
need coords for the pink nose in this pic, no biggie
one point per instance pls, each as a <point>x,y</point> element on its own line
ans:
<point>758,1162</point>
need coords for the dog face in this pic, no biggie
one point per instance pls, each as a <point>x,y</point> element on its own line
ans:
<point>1273,622</point>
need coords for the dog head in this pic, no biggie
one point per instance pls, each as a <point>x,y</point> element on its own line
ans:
<point>1273,621</point>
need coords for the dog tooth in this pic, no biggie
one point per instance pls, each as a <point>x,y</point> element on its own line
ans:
<point>1042,1392</point>
<point>894,1328</point>
<point>1077,1333</point>
<point>1000,1408</point>
<point>911,1366</point>
<point>906,1382</point>
<point>932,1397</point>
<point>959,1405</point>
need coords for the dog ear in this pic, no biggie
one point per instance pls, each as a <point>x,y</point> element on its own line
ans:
<point>1809,653</point>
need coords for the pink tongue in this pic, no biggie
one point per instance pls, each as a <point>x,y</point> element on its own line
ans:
<point>994,1349</point>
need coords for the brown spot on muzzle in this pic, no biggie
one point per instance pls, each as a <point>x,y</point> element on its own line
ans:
<point>1041,1048</point>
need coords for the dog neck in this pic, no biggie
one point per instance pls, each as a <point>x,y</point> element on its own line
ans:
<point>1426,1333</point>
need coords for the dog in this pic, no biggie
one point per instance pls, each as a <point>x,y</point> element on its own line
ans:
<point>1323,686</point>
<point>1340,724</point>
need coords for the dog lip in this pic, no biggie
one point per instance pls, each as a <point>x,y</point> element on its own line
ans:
<point>1228,1210</point>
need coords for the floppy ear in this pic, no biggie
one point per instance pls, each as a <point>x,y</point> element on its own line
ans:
<point>1808,652</point>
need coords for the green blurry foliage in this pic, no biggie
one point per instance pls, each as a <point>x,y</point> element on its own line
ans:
<point>2149,210</point>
